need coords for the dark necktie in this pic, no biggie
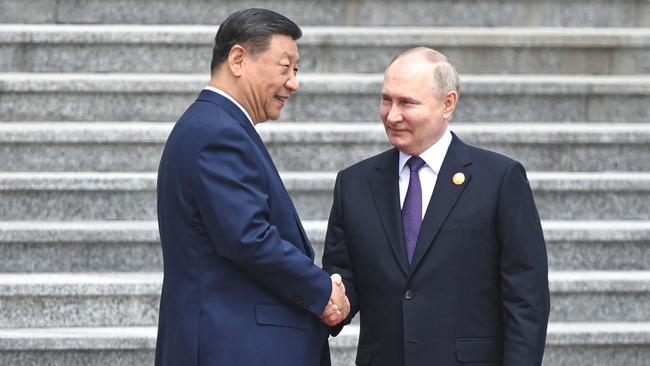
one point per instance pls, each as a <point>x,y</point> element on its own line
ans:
<point>412,208</point>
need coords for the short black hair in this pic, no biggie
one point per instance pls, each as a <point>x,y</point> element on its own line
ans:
<point>253,29</point>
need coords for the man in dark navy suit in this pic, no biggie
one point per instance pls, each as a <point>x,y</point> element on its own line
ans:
<point>240,286</point>
<point>439,243</point>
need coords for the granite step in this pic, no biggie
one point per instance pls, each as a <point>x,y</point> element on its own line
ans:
<point>480,50</point>
<point>576,344</point>
<point>597,245</point>
<point>571,245</point>
<point>188,48</point>
<point>131,246</point>
<point>558,195</point>
<point>485,98</point>
<point>555,13</point>
<point>132,298</point>
<point>99,346</point>
<point>588,296</point>
<point>112,146</point>
<point>131,196</point>
<point>539,146</point>
<point>79,299</point>
<point>82,146</point>
<point>81,246</point>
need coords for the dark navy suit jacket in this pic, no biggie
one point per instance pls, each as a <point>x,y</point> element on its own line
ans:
<point>476,292</point>
<point>240,286</point>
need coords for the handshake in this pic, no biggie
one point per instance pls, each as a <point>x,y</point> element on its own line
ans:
<point>338,307</point>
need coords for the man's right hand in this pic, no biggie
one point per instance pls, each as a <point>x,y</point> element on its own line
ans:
<point>338,307</point>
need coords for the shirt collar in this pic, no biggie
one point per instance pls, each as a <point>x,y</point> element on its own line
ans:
<point>433,156</point>
<point>226,95</point>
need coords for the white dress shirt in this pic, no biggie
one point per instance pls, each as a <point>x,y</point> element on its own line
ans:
<point>226,95</point>
<point>433,158</point>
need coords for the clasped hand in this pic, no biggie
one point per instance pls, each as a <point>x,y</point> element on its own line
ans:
<point>338,307</point>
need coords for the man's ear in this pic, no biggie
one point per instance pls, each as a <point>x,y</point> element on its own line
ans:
<point>450,101</point>
<point>236,59</point>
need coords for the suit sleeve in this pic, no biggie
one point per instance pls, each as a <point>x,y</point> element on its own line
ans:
<point>232,196</point>
<point>524,272</point>
<point>336,256</point>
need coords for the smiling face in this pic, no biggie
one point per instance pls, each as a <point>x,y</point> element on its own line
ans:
<point>414,116</point>
<point>269,78</point>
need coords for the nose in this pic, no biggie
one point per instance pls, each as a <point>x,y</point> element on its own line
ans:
<point>292,84</point>
<point>394,114</point>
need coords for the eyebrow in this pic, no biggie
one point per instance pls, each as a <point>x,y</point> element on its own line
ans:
<point>287,54</point>
<point>401,98</point>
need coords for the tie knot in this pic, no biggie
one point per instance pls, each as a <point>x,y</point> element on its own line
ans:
<point>415,163</point>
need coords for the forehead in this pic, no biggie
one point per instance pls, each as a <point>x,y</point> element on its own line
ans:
<point>407,80</point>
<point>282,46</point>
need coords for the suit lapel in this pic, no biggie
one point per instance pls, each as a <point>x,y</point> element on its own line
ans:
<point>252,132</point>
<point>445,195</point>
<point>271,166</point>
<point>240,117</point>
<point>384,187</point>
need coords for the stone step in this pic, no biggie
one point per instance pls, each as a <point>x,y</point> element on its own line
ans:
<point>571,245</point>
<point>80,246</point>
<point>132,298</point>
<point>559,196</point>
<point>485,98</point>
<point>599,296</point>
<point>117,346</point>
<point>111,146</point>
<point>575,344</point>
<point>597,245</point>
<point>131,196</point>
<point>188,48</point>
<point>130,246</point>
<point>79,299</point>
<point>539,146</point>
<point>556,13</point>
<point>82,146</point>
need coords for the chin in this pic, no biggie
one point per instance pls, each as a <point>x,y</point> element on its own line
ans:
<point>403,147</point>
<point>273,115</point>
<point>397,142</point>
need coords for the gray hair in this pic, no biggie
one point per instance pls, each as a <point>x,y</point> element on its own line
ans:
<point>445,76</point>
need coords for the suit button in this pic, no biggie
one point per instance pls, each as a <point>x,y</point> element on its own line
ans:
<point>408,295</point>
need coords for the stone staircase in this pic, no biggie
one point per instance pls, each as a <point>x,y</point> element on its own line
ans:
<point>90,89</point>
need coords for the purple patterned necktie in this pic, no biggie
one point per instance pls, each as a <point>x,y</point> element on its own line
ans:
<point>412,208</point>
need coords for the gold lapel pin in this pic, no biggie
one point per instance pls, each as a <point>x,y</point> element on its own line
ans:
<point>458,178</point>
